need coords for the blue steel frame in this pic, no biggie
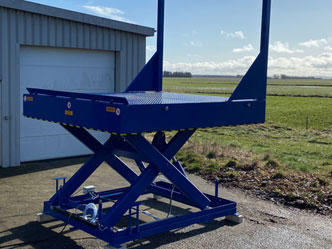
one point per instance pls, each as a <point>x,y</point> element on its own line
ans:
<point>246,105</point>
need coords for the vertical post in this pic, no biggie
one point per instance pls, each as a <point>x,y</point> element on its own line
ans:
<point>265,32</point>
<point>265,41</point>
<point>129,221</point>
<point>137,217</point>
<point>160,43</point>
<point>100,209</point>
<point>216,190</point>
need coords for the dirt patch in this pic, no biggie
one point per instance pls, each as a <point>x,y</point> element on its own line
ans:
<point>265,177</point>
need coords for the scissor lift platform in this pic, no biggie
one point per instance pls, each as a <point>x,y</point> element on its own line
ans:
<point>126,113</point>
<point>142,108</point>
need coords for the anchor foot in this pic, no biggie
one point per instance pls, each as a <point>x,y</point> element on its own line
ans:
<point>42,218</point>
<point>236,218</point>
<point>122,246</point>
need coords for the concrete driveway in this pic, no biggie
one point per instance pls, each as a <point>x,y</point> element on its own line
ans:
<point>266,225</point>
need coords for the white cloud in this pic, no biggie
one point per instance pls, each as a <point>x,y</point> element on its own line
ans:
<point>151,48</point>
<point>237,66</point>
<point>237,34</point>
<point>319,65</point>
<point>246,48</point>
<point>196,43</point>
<point>108,12</point>
<point>314,43</point>
<point>328,48</point>
<point>193,56</point>
<point>280,47</point>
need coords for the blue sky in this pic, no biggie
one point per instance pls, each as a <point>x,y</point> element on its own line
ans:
<point>222,36</point>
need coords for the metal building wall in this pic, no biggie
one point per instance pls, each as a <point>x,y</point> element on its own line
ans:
<point>24,28</point>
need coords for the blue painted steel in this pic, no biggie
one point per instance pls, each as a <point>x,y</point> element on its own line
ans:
<point>93,144</point>
<point>224,208</point>
<point>146,178</point>
<point>150,77</point>
<point>125,116</point>
<point>169,170</point>
<point>185,112</point>
<point>216,191</point>
<point>57,179</point>
<point>253,84</point>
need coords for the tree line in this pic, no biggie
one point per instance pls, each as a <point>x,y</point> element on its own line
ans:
<point>177,74</point>
<point>286,77</point>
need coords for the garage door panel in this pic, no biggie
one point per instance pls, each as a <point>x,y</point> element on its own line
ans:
<point>66,143</point>
<point>65,57</point>
<point>89,79</point>
<point>51,147</point>
<point>39,128</point>
<point>60,69</point>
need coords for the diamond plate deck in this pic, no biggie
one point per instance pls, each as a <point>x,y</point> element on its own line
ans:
<point>155,98</point>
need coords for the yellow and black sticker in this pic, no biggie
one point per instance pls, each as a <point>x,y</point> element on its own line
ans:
<point>69,113</point>
<point>30,98</point>
<point>110,109</point>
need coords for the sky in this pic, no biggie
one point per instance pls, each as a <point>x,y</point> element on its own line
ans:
<point>221,37</point>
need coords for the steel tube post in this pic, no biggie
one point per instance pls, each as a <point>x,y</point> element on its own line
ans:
<point>160,43</point>
<point>265,35</point>
<point>265,32</point>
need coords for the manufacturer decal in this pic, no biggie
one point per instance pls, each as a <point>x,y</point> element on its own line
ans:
<point>69,113</point>
<point>69,105</point>
<point>110,109</point>
<point>118,112</point>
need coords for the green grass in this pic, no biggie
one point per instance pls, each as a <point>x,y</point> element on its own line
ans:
<point>300,150</point>
<point>226,86</point>
<point>284,136</point>
<point>293,112</point>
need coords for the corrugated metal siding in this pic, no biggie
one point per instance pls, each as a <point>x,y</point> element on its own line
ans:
<point>24,28</point>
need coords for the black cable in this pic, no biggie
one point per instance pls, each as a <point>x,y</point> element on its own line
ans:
<point>170,202</point>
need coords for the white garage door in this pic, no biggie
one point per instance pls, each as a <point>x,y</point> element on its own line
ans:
<point>60,69</point>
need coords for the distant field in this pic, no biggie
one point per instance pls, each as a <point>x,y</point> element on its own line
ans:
<point>281,110</point>
<point>279,159</point>
<point>291,144</point>
<point>320,88</point>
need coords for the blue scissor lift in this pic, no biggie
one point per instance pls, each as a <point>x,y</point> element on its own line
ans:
<point>126,116</point>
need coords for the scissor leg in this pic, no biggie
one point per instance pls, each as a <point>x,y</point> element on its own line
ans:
<point>159,160</point>
<point>112,217</point>
<point>112,160</point>
<point>83,173</point>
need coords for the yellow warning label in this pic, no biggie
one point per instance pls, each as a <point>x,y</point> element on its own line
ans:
<point>30,98</point>
<point>110,109</point>
<point>69,113</point>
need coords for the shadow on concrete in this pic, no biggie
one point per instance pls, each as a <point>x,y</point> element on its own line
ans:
<point>164,207</point>
<point>35,235</point>
<point>159,240</point>
<point>168,237</point>
<point>37,166</point>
